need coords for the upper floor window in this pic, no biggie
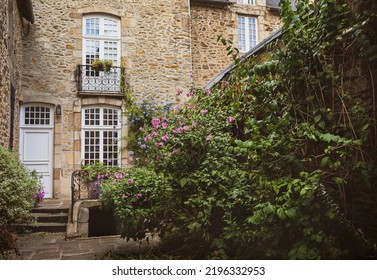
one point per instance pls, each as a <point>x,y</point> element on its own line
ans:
<point>247,33</point>
<point>248,2</point>
<point>101,38</point>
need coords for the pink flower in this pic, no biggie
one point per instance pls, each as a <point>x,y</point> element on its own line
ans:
<point>175,151</point>
<point>159,144</point>
<point>124,196</point>
<point>146,139</point>
<point>162,118</point>
<point>179,92</point>
<point>224,84</point>
<point>208,137</point>
<point>208,92</point>
<point>165,138</point>
<point>164,125</point>
<point>118,175</point>
<point>203,112</point>
<point>231,119</point>
<point>186,128</point>
<point>155,123</point>
<point>195,124</point>
<point>130,181</point>
<point>140,128</point>
<point>179,130</point>
<point>154,133</point>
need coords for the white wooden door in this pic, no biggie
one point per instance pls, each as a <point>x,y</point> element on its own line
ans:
<point>36,142</point>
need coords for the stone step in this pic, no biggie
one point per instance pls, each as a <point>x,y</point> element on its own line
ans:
<point>51,218</point>
<point>50,210</point>
<point>40,227</point>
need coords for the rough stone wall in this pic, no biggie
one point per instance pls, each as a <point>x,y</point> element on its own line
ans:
<point>10,66</point>
<point>209,56</point>
<point>154,52</point>
<point>209,20</point>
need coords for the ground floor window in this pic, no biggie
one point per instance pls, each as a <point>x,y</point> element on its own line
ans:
<point>101,132</point>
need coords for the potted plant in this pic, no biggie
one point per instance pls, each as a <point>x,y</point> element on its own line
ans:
<point>102,64</point>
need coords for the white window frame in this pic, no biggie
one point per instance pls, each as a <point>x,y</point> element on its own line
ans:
<point>101,129</point>
<point>101,37</point>
<point>244,35</point>
<point>246,2</point>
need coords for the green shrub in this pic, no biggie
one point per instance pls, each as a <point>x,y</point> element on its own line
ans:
<point>18,187</point>
<point>8,244</point>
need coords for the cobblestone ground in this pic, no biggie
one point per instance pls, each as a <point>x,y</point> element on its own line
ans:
<point>47,246</point>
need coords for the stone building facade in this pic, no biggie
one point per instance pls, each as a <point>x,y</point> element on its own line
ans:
<point>14,22</point>
<point>209,19</point>
<point>72,114</point>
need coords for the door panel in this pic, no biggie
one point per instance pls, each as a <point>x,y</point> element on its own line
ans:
<point>36,154</point>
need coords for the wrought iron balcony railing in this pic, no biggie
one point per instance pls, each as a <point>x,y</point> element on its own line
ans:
<point>93,81</point>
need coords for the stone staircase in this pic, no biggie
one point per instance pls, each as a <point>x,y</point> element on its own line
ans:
<point>51,216</point>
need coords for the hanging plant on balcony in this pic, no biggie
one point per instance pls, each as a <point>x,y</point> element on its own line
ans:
<point>102,64</point>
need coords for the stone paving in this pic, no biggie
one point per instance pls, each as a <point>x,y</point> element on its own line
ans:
<point>55,246</point>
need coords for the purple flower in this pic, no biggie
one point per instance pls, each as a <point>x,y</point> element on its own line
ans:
<point>165,138</point>
<point>164,125</point>
<point>146,139</point>
<point>155,123</point>
<point>118,175</point>
<point>230,119</point>
<point>139,196</point>
<point>159,144</point>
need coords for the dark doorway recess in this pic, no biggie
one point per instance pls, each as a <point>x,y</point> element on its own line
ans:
<point>101,223</point>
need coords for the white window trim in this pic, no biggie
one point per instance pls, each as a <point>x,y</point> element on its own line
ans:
<point>246,2</point>
<point>247,31</point>
<point>101,37</point>
<point>101,128</point>
<point>22,115</point>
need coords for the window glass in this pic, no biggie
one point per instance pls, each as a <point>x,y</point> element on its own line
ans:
<point>101,133</point>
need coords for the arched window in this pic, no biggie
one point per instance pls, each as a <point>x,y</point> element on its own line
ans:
<point>101,132</point>
<point>101,38</point>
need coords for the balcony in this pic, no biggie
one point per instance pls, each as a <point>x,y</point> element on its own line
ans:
<point>95,82</point>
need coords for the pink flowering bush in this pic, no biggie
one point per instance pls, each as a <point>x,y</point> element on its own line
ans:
<point>130,195</point>
<point>277,161</point>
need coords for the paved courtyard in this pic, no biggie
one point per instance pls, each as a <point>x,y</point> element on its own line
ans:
<point>54,246</point>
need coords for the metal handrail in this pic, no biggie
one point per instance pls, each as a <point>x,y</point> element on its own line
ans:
<point>81,189</point>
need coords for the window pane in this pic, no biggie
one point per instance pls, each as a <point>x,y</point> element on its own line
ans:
<point>110,148</point>
<point>252,32</point>
<point>92,26</point>
<point>111,51</point>
<point>110,27</point>
<point>91,50</point>
<point>101,135</point>
<point>241,34</point>
<point>37,115</point>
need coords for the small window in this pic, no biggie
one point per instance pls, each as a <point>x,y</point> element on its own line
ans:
<point>37,116</point>
<point>248,2</point>
<point>247,33</point>
<point>101,134</point>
